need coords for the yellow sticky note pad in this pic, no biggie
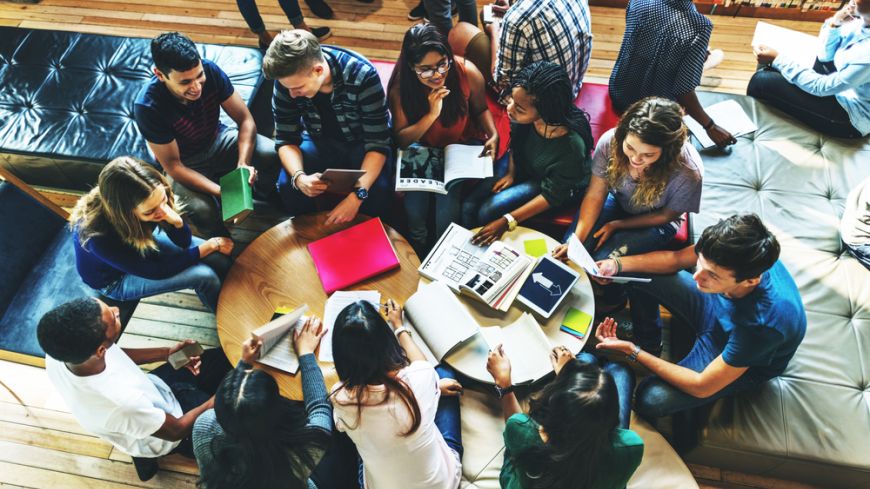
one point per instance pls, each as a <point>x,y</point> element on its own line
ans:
<point>576,322</point>
<point>283,310</point>
<point>535,247</point>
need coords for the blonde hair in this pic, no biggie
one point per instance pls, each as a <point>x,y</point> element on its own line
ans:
<point>291,52</point>
<point>108,208</point>
<point>658,122</point>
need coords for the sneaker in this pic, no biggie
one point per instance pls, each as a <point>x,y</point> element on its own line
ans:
<point>321,33</point>
<point>146,468</point>
<point>320,9</point>
<point>714,59</point>
<point>418,12</point>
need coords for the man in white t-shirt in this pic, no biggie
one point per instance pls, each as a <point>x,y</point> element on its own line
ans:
<point>145,415</point>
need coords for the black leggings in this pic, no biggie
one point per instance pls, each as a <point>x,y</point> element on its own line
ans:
<point>824,114</point>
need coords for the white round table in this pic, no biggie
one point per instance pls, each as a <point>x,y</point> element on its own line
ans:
<point>470,358</point>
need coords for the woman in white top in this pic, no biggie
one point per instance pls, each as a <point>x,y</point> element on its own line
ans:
<point>403,419</point>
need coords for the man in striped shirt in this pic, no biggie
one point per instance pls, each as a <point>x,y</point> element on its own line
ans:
<point>178,113</point>
<point>330,112</point>
<point>559,31</point>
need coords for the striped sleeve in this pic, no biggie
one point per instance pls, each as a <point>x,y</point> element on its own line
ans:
<point>288,115</point>
<point>375,118</point>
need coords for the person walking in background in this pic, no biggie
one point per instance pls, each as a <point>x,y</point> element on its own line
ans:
<point>251,14</point>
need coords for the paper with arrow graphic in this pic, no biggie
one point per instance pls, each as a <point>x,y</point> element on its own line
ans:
<point>549,283</point>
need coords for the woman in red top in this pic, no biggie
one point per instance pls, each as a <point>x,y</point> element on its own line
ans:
<point>436,99</point>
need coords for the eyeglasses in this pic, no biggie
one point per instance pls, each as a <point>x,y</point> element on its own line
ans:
<point>441,68</point>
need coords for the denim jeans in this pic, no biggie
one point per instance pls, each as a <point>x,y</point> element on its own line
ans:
<point>204,210</point>
<point>440,13</point>
<point>623,377</point>
<point>861,253</point>
<point>678,294</point>
<point>323,153</point>
<point>621,243</point>
<point>823,114</point>
<point>251,14</point>
<point>447,419</point>
<point>417,210</point>
<point>205,278</point>
<point>193,390</point>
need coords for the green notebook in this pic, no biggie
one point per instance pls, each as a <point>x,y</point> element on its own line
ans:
<point>237,200</point>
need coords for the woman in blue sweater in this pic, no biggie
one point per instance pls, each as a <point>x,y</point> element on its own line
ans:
<point>130,241</point>
<point>256,439</point>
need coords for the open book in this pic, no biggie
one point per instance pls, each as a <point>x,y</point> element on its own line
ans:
<point>420,168</point>
<point>728,115</point>
<point>578,254</point>
<point>278,350</point>
<point>444,325</point>
<point>334,305</point>
<point>490,274</point>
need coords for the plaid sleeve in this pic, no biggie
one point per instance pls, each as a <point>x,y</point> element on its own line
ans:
<point>375,118</point>
<point>288,115</point>
<point>511,48</point>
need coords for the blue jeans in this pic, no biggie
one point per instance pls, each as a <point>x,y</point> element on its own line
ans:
<point>621,243</point>
<point>678,294</point>
<point>323,153</point>
<point>417,209</point>
<point>623,377</point>
<point>861,253</point>
<point>446,419</point>
<point>193,390</point>
<point>204,279</point>
<point>248,9</point>
<point>440,14</point>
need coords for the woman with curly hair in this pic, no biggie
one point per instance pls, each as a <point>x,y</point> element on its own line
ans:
<point>645,175</point>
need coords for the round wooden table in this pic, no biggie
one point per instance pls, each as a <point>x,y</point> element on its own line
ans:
<point>276,270</point>
<point>470,358</point>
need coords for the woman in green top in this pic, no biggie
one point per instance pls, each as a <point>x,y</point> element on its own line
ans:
<point>576,434</point>
<point>549,164</point>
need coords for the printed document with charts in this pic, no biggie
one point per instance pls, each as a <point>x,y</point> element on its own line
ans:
<point>277,337</point>
<point>442,323</point>
<point>491,274</point>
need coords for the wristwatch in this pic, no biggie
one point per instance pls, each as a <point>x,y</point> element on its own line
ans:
<point>499,392</point>
<point>512,223</point>
<point>361,193</point>
<point>401,330</point>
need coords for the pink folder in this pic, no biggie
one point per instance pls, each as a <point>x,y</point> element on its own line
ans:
<point>353,255</point>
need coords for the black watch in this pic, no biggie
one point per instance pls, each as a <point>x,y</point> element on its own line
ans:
<point>361,193</point>
<point>499,392</point>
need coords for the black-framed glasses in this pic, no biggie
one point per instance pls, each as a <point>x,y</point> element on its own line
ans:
<point>440,68</point>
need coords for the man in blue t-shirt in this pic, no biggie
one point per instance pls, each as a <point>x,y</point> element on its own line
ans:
<point>742,302</point>
<point>178,112</point>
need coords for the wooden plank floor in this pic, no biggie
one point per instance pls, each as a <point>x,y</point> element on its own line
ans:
<point>41,444</point>
<point>374,30</point>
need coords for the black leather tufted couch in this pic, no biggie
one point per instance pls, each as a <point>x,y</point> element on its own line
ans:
<point>66,101</point>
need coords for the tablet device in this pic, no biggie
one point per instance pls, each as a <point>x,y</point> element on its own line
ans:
<point>547,286</point>
<point>341,181</point>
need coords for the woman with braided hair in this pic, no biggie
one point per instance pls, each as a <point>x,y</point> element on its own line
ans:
<point>645,175</point>
<point>549,163</point>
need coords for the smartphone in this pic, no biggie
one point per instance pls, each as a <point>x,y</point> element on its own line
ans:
<point>182,356</point>
<point>488,16</point>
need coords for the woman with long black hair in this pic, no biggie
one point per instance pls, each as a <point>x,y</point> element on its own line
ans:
<point>402,414</point>
<point>575,434</point>
<point>549,164</point>
<point>256,439</point>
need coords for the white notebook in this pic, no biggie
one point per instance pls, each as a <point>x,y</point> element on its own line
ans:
<point>729,115</point>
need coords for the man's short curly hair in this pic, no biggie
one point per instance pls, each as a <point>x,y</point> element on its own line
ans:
<point>742,244</point>
<point>72,332</point>
<point>290,53</point>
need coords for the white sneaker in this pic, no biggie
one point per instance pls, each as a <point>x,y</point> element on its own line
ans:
<point>714,59</point>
